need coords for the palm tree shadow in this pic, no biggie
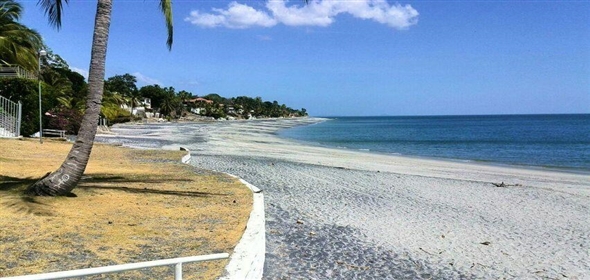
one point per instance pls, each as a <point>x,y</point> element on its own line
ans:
<point>10,184</point>
<point>97,183</point>
<point>15,199</point>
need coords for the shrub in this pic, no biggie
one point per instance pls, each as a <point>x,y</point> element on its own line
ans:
<point>65,119</point>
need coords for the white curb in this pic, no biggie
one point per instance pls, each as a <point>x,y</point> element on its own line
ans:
<point>247,260</point>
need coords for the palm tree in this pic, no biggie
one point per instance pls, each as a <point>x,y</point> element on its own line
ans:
<point>66,177</point>
<point>18,43</point>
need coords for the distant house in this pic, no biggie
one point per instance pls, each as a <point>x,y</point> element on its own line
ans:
<point>198,105</point>
<point>144,109</point>
<point>199,100</point>
<point>146,102</point>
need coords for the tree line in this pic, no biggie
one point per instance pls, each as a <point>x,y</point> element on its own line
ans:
<point>19,44</point>
<point>65,92</point>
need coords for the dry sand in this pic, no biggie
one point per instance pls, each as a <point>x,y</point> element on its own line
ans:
<point>334,213</point>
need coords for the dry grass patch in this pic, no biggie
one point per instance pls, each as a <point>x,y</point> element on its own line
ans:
<point>132,206</point>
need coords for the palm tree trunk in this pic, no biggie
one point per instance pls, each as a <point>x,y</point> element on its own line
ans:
<point>66,178</point>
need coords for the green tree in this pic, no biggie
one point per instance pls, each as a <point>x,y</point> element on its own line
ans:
<point>27,91</point>
<point>111,107</point>
<point>66,177</point>
<point>184,95</point>
<point>155,93</point>
<point>216,98</point>
<point>70,86</point>
<point>171,103</point>
<point>18,43</point>
<point>122,84</point>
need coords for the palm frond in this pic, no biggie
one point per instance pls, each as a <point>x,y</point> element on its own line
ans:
<point>10,10</point>
<point>53,10</point>
<point>166,7</point>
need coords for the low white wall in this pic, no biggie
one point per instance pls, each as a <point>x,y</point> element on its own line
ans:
<point>247,260</point>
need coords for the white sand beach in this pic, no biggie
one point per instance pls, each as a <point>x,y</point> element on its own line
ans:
<point>336,213</point>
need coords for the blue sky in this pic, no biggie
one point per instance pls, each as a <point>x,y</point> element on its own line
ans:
<point>354,57</point>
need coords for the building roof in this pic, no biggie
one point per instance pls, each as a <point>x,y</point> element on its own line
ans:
<point>199,99</point>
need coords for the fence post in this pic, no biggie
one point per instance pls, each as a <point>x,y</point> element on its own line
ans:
<point>178,271</point>
<point>19,118</point>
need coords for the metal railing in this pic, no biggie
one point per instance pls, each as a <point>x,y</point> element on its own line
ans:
<point>15,71</point>
<point>177,262</point>
<point>55,132</point>
<point>10,117</point>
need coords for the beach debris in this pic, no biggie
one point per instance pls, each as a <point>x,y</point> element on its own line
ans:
<point>501,185</point>
<point>504,185</point>
<point>486,243</point>
<point>425,251</point>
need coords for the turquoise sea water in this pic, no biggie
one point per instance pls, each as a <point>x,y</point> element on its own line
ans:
<point>554,141</point>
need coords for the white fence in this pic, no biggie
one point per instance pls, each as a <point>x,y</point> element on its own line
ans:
<point>10,118</point>
<point>15,71</point>
<point>177,262</point>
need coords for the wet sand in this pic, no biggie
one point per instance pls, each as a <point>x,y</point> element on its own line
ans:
<point>334,213</point>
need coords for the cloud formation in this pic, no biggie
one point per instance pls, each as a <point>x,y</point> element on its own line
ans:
<point>316,13</point>
<point>141,78</point>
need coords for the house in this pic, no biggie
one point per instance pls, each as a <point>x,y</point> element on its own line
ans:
<point>146,102</point>
<point>198,105</point>
<point>145,106</point>
<point>198,100</point>
<point>144,109</point>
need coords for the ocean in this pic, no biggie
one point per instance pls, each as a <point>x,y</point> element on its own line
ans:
<point>546,141</point>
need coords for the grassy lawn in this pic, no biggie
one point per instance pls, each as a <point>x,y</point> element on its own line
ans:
<point>131,206</point>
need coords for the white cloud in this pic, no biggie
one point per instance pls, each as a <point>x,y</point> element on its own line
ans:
<point>236,16</point>
<point>264,38</point>
<point>316,13</point>
<point>146,80</point>
<point>80,71</point>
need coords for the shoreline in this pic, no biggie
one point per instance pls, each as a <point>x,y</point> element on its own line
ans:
<point>564,169</point>
<point>346,214</point>
<point>558,169</point>
<point>303,121</point>
<point>314,120</point>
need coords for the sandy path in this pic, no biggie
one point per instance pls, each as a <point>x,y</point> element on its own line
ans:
<point>345,214</point>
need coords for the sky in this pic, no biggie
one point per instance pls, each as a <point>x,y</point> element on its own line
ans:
<point>348,57</point>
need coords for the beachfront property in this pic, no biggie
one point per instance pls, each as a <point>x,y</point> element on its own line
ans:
<point>144,109</point>
<point>198,105</point>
